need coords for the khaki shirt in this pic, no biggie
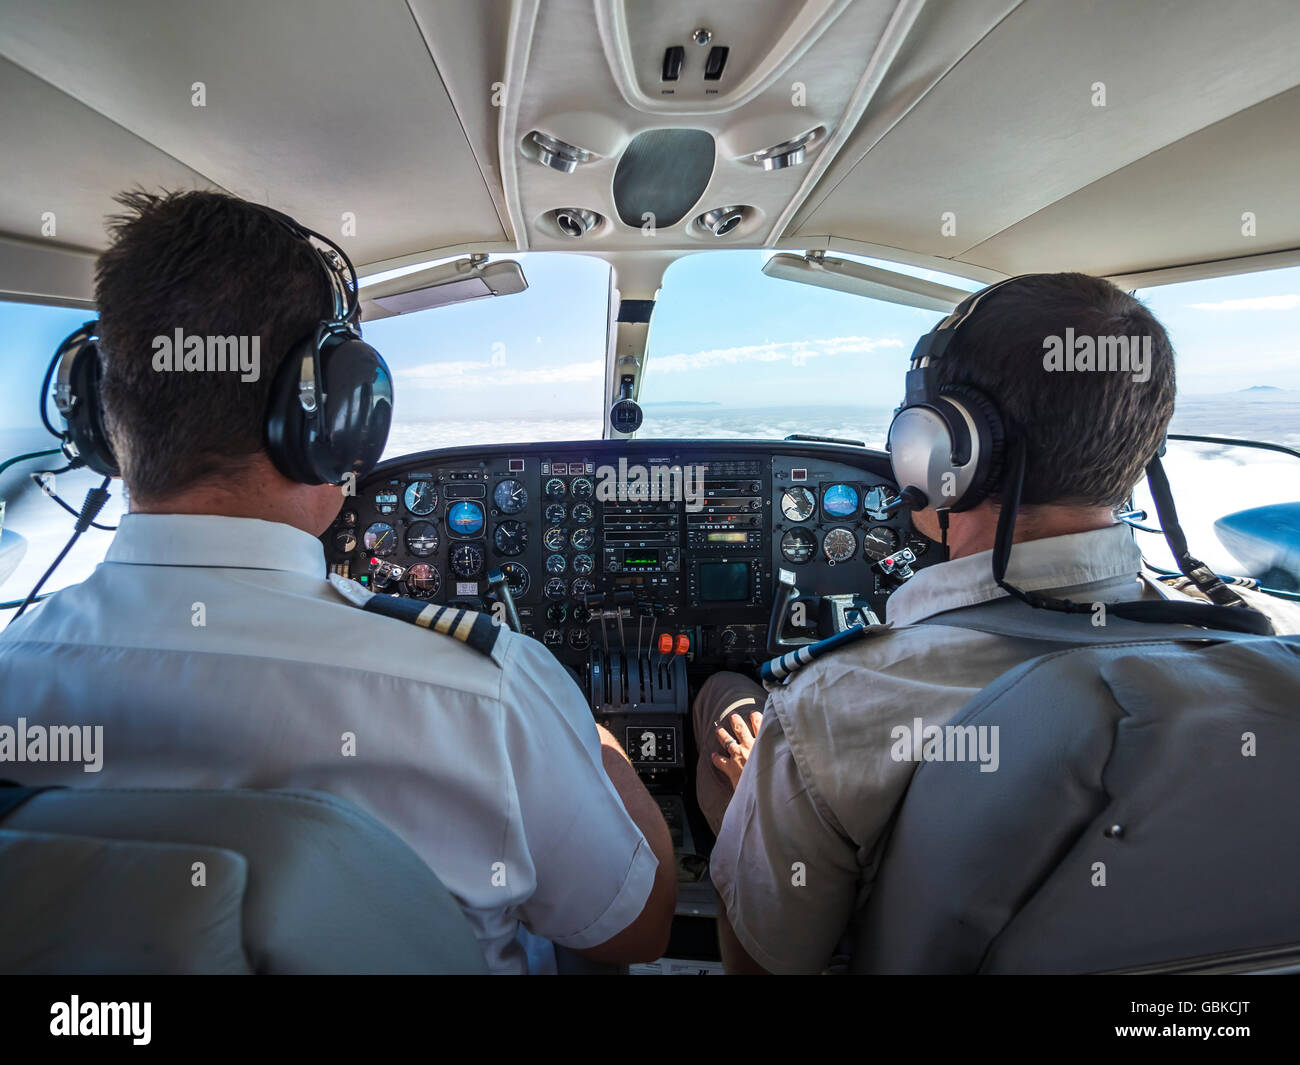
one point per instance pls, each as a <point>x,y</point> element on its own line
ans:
<point>798,848</point>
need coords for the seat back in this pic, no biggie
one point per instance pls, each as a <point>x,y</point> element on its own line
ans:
<point>1145,808</point>
<point>151,880</point>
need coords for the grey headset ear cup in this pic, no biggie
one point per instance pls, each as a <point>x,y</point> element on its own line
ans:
<point>989,438</point>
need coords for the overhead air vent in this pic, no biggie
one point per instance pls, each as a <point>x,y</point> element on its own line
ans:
<point>662,175</point>
<point>555,153</point>
<point>788,153</point>
<point>575,222</point>
<point>722,220</point>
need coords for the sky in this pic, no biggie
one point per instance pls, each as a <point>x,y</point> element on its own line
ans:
<point>722,332</point>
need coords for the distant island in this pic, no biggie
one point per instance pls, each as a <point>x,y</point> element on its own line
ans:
<point>1263,388</point>
<point>684,403</point>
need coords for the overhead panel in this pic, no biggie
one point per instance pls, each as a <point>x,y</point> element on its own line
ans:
<point>1226,191</point>
<point>328,109</point>
<point>1053,98</point>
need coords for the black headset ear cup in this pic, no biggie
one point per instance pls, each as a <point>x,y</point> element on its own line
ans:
<point>347,432</point>
<point>990,438</point>
<point>287,429</point>
<point>85,419</point>
<point>358,409</point>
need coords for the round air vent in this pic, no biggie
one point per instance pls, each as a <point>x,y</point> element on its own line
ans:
<point>788,153</point>
<point>555,153</point>
<point>575,222</point>
<point>722,220</point>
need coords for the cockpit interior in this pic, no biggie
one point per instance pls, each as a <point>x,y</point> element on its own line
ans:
<point>646,277</point>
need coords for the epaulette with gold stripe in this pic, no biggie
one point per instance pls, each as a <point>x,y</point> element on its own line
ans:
<point>479,631</point>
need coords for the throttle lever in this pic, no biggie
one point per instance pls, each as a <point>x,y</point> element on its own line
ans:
<point>786,593</point>
<point>500,587</point>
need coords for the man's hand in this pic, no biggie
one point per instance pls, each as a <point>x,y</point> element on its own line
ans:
<point>737,743</point>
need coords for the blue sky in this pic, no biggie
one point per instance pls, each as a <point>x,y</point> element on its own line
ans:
<point>722,332</point>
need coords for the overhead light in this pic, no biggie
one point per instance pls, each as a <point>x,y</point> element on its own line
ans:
<point>845,275</point>
<point>555,153</point>
<point>575,222</point>
<point>721,220</point>
<point>788,153</point>
<point>456,282</point>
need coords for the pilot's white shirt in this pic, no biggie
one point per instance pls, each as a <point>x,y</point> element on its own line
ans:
<point>215,654</point>
<point>798,848</point>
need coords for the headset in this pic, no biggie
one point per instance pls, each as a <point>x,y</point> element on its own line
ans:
<point>331,402</point>
<point>946,445</point>
<point>950,448</point>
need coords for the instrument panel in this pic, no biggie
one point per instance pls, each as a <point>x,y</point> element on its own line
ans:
<point>611,545</point>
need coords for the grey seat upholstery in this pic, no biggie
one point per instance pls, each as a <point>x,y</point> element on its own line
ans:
<point>110,881</point>
<point>1145,809</point>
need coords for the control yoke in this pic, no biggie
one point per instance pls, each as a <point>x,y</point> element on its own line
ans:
<point>786,594</point>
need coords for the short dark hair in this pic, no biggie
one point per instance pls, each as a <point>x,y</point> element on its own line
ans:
<point>1089,433</point>
<point>210,265</point>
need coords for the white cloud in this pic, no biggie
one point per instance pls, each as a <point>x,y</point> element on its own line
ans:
<point>789,350</point>
<point>1286,302</point>
<point>471,374</point>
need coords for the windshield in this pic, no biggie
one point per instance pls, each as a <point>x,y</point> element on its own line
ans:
<point>528,366</point>
<point>735,353</point>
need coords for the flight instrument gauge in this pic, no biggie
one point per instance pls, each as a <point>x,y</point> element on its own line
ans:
<point>798,545</point>
<point>553,637</point>
<point>797,504</point>
<point>510,497</point>
<point>840,544</point>
<point>581,588</point>
<point>467,560</point>
<point>554,539</point>
<point>421,498</point>
<point>380,539</point>
<point>517,579</point>
<point>581,488</point>
<point>555,513</point>
<point>556,489</point>
<point>879,542</point>
<point>582,539</point>
<point>345,541</point>
<point>465,518</point>
<point>510,537</point>
<point>582,513</point>
<point>555,563</point>
<point>583,564</point>
<point>878,502</point>
<point>555,588</point>
<point>422,581</point>
<point>579,639</point>
<point>840,500</point>
<point>422,538</point>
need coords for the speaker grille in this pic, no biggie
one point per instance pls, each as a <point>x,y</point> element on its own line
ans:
<point>663,173</point>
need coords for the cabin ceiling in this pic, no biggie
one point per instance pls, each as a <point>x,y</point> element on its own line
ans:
<point>393,113</point>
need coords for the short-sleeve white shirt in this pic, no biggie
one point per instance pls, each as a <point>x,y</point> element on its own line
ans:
<point>215,654</point>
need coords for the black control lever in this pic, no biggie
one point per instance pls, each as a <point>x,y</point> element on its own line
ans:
<point>592,601</point>
<point>786,593</point>
<point>500,587</point>
<point>621,598</point>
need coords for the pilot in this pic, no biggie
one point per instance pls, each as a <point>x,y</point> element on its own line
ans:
<point>801,785</point>
<point>214,653</point>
